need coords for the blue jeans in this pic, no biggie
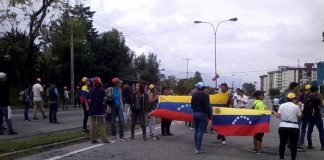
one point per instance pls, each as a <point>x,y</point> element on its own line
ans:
<point>141,116</point>
<point>117,112</point>
<point>52,112</point>
<point>318,122</point>
<point>200,123</point>
<point>26,110</point>
<point>303,126</point>
<point>4,113</point>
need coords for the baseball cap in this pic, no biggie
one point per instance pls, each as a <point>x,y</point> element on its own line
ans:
<point>151,86</point>
<point>308,86</point>
<point>2,75</point>
<point>200,85</point>
<point>291,96</point>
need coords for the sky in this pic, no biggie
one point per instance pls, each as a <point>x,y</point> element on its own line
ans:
<point>267,34</point>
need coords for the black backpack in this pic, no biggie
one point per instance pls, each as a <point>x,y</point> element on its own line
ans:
<point>51,94</point>
<point>308,107</point>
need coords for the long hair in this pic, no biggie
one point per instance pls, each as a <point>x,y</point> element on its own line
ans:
<point>141,88</point>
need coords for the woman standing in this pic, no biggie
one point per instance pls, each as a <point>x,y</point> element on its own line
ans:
<point>258,105</point>
<point>137,106</point>
<point>97,111</point>
<point>288,113</point>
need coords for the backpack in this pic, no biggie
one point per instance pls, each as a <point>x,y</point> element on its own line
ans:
<point>308,107</point>
<point>51,94</point>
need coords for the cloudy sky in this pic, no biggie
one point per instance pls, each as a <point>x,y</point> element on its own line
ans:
<point>267,34</point>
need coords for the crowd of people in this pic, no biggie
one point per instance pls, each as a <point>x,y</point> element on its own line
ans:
<point>299,111</point>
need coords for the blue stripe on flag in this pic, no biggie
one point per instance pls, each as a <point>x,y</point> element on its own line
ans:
<point>240,119</point>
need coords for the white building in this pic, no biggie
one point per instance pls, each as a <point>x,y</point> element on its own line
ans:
<point>264,83</point>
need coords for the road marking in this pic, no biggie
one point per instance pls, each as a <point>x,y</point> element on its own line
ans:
<point>95,146</point>
<point>74,152</point>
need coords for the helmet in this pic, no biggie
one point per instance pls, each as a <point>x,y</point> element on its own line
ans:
<point>116,80</point>
<point>2,75</point>
<point>84,79</point>
<point>151,86</point>
<point>307,86</point>
<point>96,81</point>
<point>200,85</point>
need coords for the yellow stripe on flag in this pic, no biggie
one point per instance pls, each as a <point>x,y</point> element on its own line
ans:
<point>214,99</point>
<point>238,111</point>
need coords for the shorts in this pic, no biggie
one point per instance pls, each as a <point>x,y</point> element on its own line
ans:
<point>259,136</point>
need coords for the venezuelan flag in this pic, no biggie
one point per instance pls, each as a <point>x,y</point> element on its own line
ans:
<point>240,122</point>
<point>179,107</point>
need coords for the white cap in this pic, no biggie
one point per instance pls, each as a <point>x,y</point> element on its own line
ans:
<point>200,85</point>
<point>2,75</point>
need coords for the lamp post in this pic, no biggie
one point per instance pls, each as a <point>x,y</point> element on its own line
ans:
<point>215,32</point>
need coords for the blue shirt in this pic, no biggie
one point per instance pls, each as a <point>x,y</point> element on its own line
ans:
<point>116,96</point>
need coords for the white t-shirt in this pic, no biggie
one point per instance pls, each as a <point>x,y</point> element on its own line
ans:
<point>289,112</point>
<point>37,89</point>
<point>238,101</point>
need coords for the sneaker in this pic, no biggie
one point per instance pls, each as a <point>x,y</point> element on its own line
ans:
<point>260,153</point>
<point>223,142</point>
<point>94,142</point>
<point>85,131</point>
<point>310,147</point>
<point>12,133</point>
<point>123,139</point>
<point>156,138</point>
<point>199,152</point>
<point>35,118</point>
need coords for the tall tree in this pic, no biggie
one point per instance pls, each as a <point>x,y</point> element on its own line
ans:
<point>248,88</point>
<point>147,68</point>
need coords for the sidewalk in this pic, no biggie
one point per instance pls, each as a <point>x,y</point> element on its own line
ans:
<point>69,120</point>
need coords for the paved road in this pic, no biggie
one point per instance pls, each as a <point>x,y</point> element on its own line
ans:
<point>179,146</point>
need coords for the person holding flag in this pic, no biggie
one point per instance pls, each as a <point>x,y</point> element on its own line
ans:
<point>201,111</point>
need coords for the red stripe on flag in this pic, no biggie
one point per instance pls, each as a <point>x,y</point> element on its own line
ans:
<point>241,130</point>
<point>172,115</point>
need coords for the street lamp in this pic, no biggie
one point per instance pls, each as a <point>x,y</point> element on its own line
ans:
<point>215,32</point>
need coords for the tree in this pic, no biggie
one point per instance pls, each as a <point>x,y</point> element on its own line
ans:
<point>147,68</point>
<point>184,86</point>
<point>248,88</point>
<point>274,92</point>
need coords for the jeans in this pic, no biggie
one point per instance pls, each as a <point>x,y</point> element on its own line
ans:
<point>52,112</point>
<point>26,109</point>
<point>85,116</point>
<point>303,126</point>
<point>285,134</point>
<point>318,122</point>
<point>4,113</point>
<point>200,122</point>
<point>117,112</point>
<point>165,126</point>
<point>152,125</point>
<point>141,116</point>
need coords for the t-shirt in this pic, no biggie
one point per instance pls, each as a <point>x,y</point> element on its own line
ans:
<point>259,105</point>
<point>116,94</point>
<point>238,101</point>
<point>37,89</point>
<point>84,94</point>
<point>289,112</point>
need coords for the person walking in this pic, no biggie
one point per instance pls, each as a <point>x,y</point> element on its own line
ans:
<point>38,93</point>
<point>53,103</point>
<point>258,105</point>
<point>312,108</point>
<point>166,123</point>
<point>153,102</point>
<point>138,101</point>
<point>229,103</point>
<point>289,113</point>
<point>117,108</point>
<point>66,98</point>
<point>84,99</point>
<point>5,109</point>
<point>97,111</point>
<point>200,105</point>
<point>25,96</point>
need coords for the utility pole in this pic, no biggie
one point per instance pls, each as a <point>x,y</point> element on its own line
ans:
<point>72,66</point>
<point>187,59</point>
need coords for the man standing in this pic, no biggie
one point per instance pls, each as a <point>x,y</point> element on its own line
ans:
<point>38,93</point>
<point>224,90</point>
<point>52,101</point>
<point>201,110</point>
<point>166,123</point>
<point>5,104</point>
<point>117,108</point>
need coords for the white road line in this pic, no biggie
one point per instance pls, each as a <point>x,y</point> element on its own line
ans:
<point>95,146</point>
<point>74,152</point>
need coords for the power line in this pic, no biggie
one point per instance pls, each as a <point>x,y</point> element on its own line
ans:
<point>187,59</point>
